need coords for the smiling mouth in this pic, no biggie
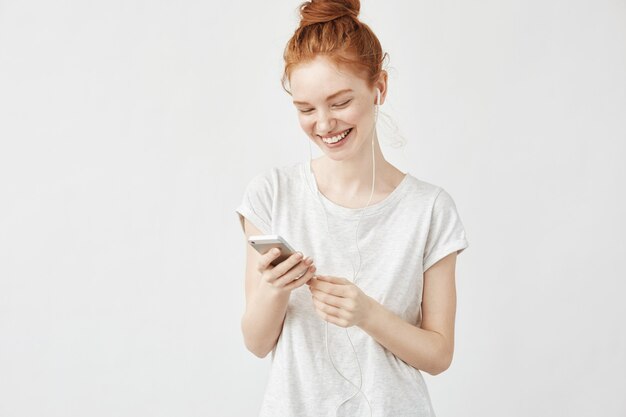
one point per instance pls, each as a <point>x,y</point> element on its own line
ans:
<point>337,138</point>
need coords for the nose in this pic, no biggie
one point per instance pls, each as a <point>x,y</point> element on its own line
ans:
<point>324,123</point>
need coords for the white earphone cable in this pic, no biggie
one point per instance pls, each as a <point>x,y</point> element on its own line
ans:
<point>355,273</point>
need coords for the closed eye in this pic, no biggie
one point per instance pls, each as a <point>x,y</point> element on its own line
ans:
<point>345,103</point>
<point>339,105</point>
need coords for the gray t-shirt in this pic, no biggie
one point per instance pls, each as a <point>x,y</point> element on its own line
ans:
<point>399,238</point>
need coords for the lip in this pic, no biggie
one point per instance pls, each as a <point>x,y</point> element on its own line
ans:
<point>333,134</point>
<point>341,142</point>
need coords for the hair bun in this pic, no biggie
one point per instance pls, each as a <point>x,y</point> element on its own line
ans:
<point>322,11</point>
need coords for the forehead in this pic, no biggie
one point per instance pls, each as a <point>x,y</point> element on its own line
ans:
<point>319,78</point>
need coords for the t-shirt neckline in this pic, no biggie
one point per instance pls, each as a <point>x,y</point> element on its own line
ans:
<point>347,212</point>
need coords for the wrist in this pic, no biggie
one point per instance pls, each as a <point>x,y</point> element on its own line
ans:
<point>272,291</point>
<point>371,312</point>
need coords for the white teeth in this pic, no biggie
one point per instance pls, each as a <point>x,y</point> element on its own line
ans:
<point>337,138</point>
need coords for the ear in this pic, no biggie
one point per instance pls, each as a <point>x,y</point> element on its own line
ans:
<point>381,84</point>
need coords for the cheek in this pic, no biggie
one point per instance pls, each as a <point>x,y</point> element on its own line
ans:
<point>353,115</point>
<point>306,124</point>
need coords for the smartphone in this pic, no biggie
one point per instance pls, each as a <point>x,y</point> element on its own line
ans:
<point>264,243</point>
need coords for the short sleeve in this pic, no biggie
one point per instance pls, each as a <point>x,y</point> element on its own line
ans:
<point>446,233</point>
<point>256,204</point>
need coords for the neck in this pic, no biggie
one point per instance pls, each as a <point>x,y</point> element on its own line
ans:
<point>351,177</point>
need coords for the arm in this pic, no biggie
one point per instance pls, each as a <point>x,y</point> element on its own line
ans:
<point>267,295</point>
<point>429,347</point>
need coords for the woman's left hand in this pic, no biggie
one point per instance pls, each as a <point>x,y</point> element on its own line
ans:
<point>339,301</point>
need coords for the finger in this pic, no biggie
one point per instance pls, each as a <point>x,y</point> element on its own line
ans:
<point>303,268</point>
<point>267,258</point>
<point>334,280</point>
<point>333,300</point>
<point>328,309</point>
<point>302,280</point>
<point>331,318</point>
<point>295,273</point>
<point>340,290</point>
<point>338,322</point>
<point>312,280</point>
<point>284,267</point>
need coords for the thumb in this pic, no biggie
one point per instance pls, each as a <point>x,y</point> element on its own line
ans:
<point>333,280</point>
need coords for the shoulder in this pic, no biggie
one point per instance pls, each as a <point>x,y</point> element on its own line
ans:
<point>429,202</point>
<point>425,192</point>
<point>262,194</point>
<point>270,182</point>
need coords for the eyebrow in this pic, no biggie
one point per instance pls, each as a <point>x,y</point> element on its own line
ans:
<point>330,97</point>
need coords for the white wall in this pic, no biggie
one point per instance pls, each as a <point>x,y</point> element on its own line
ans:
<point>129,130</point>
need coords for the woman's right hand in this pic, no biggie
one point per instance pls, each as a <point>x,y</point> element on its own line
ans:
<point>288,275</point>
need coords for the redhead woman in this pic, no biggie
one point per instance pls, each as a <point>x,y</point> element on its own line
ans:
<point>368,301</point>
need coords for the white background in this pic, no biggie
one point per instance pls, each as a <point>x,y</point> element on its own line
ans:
<point>129,130</point>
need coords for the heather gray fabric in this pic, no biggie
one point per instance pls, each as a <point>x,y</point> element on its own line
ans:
<point>399,238</point>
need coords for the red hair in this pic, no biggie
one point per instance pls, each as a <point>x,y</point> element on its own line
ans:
<point>332,28</point>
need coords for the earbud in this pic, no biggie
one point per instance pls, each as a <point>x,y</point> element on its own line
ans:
<point>376,108</point>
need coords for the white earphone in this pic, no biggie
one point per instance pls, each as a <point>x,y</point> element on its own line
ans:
<point>358,387</point>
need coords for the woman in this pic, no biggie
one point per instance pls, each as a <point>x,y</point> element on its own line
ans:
<point>378,308</point>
